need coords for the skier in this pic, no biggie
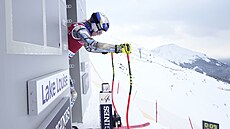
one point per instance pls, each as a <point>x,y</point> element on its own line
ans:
<point>80,34</point>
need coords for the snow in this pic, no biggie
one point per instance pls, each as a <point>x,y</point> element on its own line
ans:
<point>178,54</point>
<point>181,95</point>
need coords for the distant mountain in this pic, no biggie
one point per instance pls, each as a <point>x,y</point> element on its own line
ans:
<point>194,60</point>
<point>227,61</point>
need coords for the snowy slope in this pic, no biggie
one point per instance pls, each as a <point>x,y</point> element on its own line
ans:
<point>178,54</point>
<point>194,60</point>
<point>181,95</point>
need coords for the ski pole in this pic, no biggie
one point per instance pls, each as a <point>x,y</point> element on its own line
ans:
<point>130,91</point>
<point>115,110</point>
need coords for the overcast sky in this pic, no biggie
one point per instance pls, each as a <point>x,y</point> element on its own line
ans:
<point>200,25</point>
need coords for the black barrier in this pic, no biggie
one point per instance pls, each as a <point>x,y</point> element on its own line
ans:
<point>60,117</point>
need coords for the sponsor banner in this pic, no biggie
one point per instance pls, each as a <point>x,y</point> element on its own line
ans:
<point>105,98</point>
<point>42,91</point>
<point>210,125</point>
<point>59,118</point>
<point>106,116</point>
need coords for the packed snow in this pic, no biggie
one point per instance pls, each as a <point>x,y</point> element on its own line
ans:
<point>164,94</point>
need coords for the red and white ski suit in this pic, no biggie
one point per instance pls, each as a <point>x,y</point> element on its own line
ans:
<point>78,36</point>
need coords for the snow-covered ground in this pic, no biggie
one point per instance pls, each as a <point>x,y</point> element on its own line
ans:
<point>182,97</point>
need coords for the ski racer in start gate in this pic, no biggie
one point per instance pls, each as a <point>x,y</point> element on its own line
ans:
<point>80,34</point>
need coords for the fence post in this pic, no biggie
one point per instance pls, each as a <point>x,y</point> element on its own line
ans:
<point>190,122</point>
<point>156,111</point>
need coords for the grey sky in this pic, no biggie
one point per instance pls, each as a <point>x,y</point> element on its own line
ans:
<point>200,25</point>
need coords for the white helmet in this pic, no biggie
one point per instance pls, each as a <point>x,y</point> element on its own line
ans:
<point>99,22</point>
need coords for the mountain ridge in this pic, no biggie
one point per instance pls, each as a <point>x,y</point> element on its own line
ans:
<point>196,61</point>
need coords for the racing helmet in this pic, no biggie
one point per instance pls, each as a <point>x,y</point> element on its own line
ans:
<point>99,22</point>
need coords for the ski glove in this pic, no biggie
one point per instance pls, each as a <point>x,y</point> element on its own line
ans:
<point>123,48</point>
